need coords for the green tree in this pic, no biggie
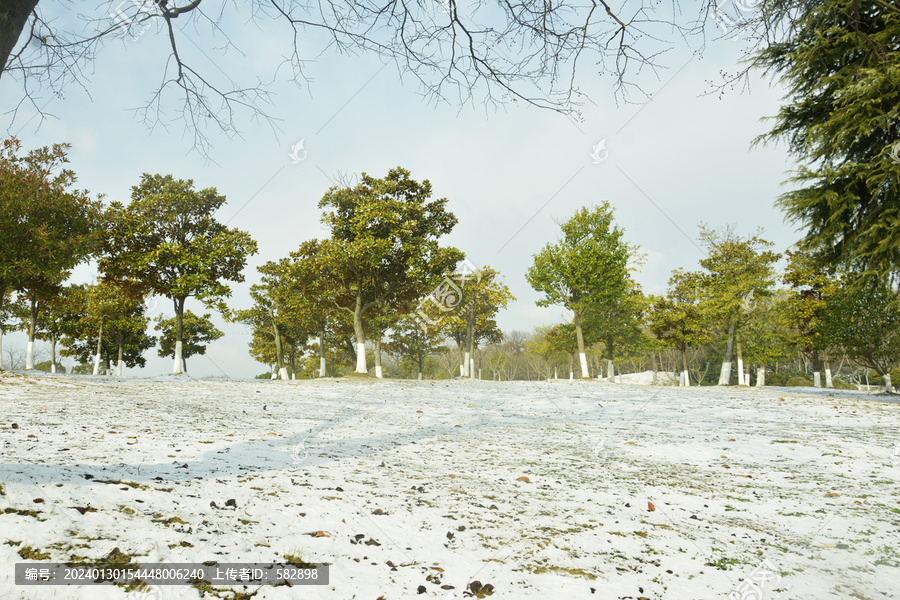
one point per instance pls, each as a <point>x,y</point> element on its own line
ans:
<point>588,267</point>
<point>473,322</point>
<point>677,320</point>
<point>197,332</point>
<point>616,323</point>
<point>810,287</point>
<point>736,270</point>
<point>414,343</point>
<point>383,250</point>
<point>47,228</point>
<point>865,323</point>
<point>841,121</point>
<point>106,322</point>
<point>168,240</point>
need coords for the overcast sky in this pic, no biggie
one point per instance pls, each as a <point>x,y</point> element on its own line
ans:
<point>510,175</point>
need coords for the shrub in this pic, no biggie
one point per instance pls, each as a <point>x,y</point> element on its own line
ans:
<point>45,366</point>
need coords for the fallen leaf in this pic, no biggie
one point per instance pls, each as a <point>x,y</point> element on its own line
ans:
<point>832,495</point>
<point>419,411</point>
<point>726,466</point>
<point>523,479</point>
<point>650,506</point>
<point>319,534</point>
<point>451,476</point>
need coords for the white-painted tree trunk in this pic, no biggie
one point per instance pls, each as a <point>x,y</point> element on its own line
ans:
<point>685,379</point>
<point>284,374</point>
<point>176,370</point>
<point>571,376</point>
<point>472,367</point>
<point>466,370</point>
<point>29,355</point>
<point>584,366</point>
<point>420,376</point>
<point>610,372</point>
<point>120,368</point>
<point>887,383</point>
<point>378,372</point>
<point>1,349</point>
<point>725,373</point>
<point>361,358</point>
<point>293,377</point>
<point>462,370</point>
<point>555,374</point>
<point>740,368</point>
<point>817,379</point>
<point>829,382</point>
<point>322,352</point>
<point>99,348</point>
<point>760,376</point>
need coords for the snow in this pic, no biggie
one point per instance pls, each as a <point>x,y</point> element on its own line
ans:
<point>811,485</point>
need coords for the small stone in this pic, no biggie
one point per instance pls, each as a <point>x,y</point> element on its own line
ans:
<point>15,425</point>
<point>421,589</point>
<point>461,528</point>
<point>38,501</point>
<point>449,535</point>
<point>339,489</point>
<point>231,502</point>
<point>213,505</point>
<point>378,511</point>
<point>493,507</point>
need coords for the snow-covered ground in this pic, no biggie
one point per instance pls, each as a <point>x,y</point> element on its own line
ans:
<point>542,490</point>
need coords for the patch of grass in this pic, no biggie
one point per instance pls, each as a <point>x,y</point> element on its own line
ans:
<point>169,521</point>
<point>552,569</point>
<point>296,561</point>
<point>21,511</point>
<point>131,484</point>
<point>29,553</point>
<point>2,490</point>
<point>723,564</point>
<point>12,543</point>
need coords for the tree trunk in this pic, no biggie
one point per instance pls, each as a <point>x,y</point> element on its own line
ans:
<point>725,373</point>
<point>579,337</point>
<point>742,380</point>
<point>279,347</point>
<point>887,383</point>
<point>120,365</point>
<point>378,372</point>
<point>322,371</point>
<point>829,382</point>
<point>16,13</point>
<point>360,337</point>
<point>653,365</point>
<point>179,334</point>
<point>52,353</point>
<point>470,342</point>
<point>32,326</point>
<point>761,376</point>
<point>99,343</point>
<point>685,378</point>
<point>2,331</point>
<point>611,371</point>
